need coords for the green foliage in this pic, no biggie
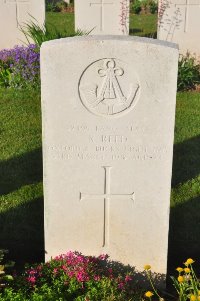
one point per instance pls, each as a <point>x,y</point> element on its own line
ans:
<point>61,6</point>
<point>188,73</point>
<point>187,284</point>
<point>5,75</point>
<point>4,278</point>
<point>51,7</point>
<point>75,277</point>
<point>136,7</point>
<point>19,67</point>
<point>153,7</point>
<point>145,6</point>
<point>56,6</point>
<point>38,34</point>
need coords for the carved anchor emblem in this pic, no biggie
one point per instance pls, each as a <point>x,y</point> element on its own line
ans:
<point>105,96</point>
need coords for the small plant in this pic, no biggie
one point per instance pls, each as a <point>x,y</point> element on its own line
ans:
<point>153,7</point>
<point>188,73</point>
<point>149,294</point>
<point>4,278</point>
<point>74,277</point>
<point>187,284</point>
<point>51,7</point>
<point>136,7</point>
<point>20,67</point>
<point>145,5</point>
<point>39,34</point>
<point>61,6</point>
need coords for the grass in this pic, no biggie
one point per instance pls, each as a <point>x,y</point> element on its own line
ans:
<point>143,25</point>
<point>63,21</point>
<point>21,195</point>
<point>21,201</point>
<point>140,25</point>
<point>185,198</point>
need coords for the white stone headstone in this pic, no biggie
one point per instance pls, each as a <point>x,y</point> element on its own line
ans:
<point>179,22</point>
<point>101,17</point>
<point>108,124</point>
<point>13,15</point>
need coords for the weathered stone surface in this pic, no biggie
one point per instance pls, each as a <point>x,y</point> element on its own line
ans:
<point>13,15</point>
<point>179,22</point>
<point>108,123</point>
<point>101,17</point>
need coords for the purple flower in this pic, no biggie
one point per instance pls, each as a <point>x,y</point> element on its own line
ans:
<point>23,63</point>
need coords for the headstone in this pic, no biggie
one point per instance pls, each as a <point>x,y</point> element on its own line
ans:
<point>101,17</point>
<point>108,123</point>
<point>13,15</point>
<point>179,22</point>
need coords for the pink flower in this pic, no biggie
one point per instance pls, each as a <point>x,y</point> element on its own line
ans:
<point>32,272</point>
<point>71,274</point>
<point>121,285</point>
<point>97,278</point>
<point>128,278</point>
<point>64,268</point>
<point>82,276</point>
<point>31,279</point>
<point>103,256</point>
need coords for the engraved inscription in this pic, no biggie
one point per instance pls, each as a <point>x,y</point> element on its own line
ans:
<point>106,197</point>
<point>18,4</point>
<point>105,88</point>
<point>101,4</point>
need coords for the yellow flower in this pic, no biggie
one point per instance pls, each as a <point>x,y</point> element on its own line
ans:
<point>147,267</point>
<point>193,298</point>
<point>179,269</point>
<point>148,294</point>
<point>198,298</point>
<point>199,293</point>
<point>180,279</point>
<point>187,270</point>
<point>189,261</point>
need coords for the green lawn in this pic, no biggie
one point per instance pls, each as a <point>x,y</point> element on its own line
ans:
<point>21,196</point>
<point>63,21</point>
<point>140,25</point>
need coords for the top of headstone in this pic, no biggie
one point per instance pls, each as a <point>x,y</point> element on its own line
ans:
<point>111,38</point>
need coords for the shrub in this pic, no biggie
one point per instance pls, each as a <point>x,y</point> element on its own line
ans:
<point>4,278</point>
<point>186,283</point>
<point>51,6</point>
<point>39,34</point>
<point>61,6</point>
<point>136,7</point>
<point>188,73</point>
<point>56,6</point>
<point>145,5</point>
<point>74,277</point>
<point>153,7</point>
<point>20,67</point>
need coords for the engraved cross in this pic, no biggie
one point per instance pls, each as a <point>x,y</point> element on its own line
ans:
<point>17,4</point>
<point>101,3</point>
<point>106,197</point>
<point>187,4</point>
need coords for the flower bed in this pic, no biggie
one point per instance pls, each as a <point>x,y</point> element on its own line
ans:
<point>20,67</point>
<point>73,276</point>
